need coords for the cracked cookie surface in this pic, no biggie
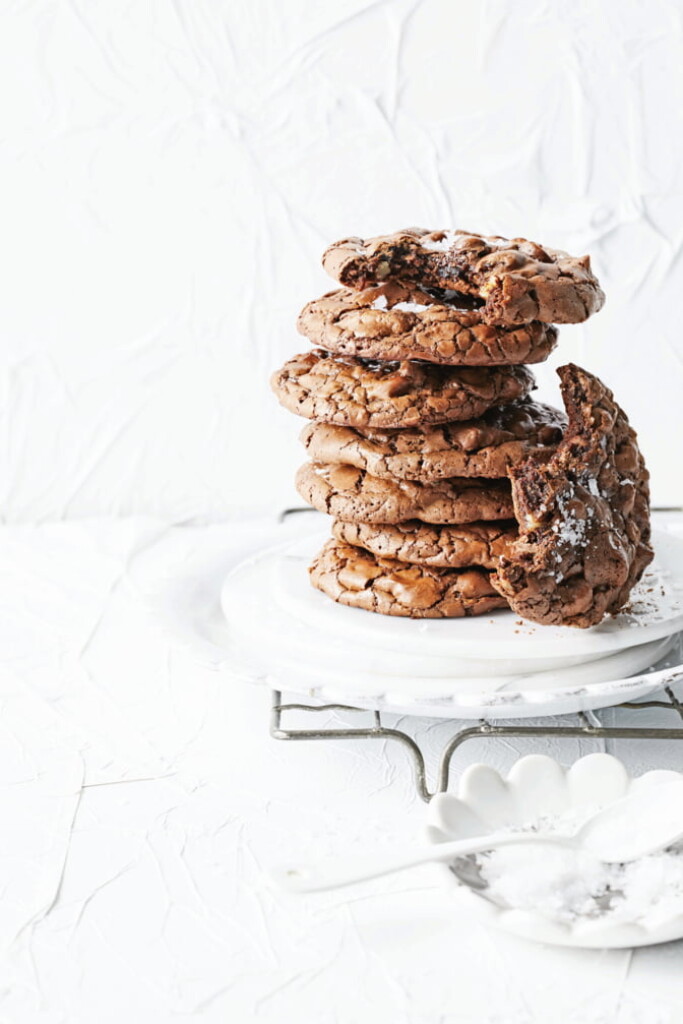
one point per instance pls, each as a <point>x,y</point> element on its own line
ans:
<point>352,495</point>
<point>447,547</point>
<point>357,578</point>
<point>366,393</point>
<point>485,447</point>
<point>396,321</point>
<point>583,515</point>
<point>519,281</point>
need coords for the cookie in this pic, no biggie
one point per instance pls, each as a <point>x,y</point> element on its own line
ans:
<point>353,495</point>
<point>447,547</point>
<point>584,515</point>
<point>363,393</point>
<point>396,321</point>
<point>518,280</point>
<point>484,447</point>
<point>354,577</point>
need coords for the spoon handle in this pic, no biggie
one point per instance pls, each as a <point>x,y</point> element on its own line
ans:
<point>335,873</point>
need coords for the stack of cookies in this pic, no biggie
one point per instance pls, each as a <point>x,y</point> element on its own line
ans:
<point>419,399</point>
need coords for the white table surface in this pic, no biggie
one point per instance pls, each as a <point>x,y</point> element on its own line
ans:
<point>142,799</point>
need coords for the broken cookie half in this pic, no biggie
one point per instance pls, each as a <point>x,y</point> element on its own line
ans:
<point>583,513</point>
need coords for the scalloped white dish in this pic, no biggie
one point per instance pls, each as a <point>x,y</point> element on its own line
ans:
<point>535,788</point>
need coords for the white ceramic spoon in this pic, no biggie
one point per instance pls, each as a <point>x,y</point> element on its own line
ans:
<point>643,822</point>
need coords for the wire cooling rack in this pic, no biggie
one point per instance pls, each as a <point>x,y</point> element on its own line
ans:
<point>583,724</point>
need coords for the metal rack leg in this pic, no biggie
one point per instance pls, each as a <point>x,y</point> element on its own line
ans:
<point>590,727</point>
<point>378,731</point>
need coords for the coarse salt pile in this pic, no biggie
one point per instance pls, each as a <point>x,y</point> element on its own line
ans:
<point>568,884</point>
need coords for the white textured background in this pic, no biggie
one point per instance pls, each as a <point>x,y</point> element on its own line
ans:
<point>171,172</point>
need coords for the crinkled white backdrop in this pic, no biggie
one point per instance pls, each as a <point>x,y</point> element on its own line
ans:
<point>171,172</point>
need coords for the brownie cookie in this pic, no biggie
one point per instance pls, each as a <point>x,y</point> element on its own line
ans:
<point>518,280</point>
<point>395,321</point>
<point>584,515</point>
<point>484,447</point>
<point>352,495</point>
<point>362,393</point>
<point>357,578</point>
<point>447,547</point>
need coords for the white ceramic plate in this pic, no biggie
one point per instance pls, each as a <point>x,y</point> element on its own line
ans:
<point>332,652</point>
<point>538,786</point>
<point>656,611</point>
<point>179,580</point>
